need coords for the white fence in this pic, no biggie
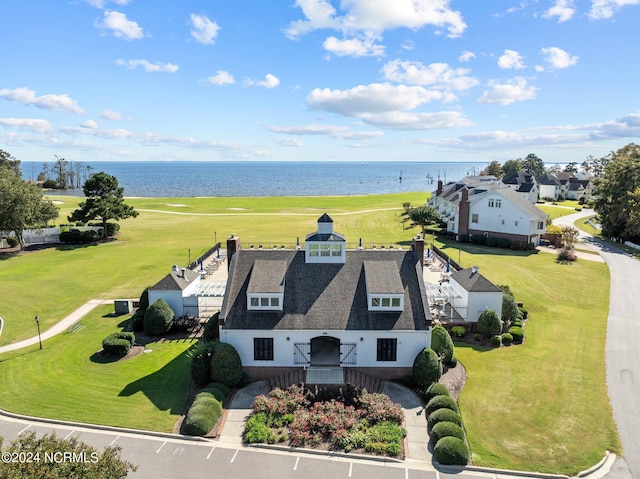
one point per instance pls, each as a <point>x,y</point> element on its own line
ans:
<point>632,245</point>
<point>45,235</point>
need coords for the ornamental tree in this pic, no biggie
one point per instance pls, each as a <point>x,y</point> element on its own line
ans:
<point>424,216</point>
<point>105,201</point>
<point>489,323</point>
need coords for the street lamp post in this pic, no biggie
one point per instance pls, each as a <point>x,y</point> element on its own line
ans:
<point>39,337</point>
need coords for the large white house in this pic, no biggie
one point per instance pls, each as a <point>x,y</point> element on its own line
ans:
<point>326,306</point>
<point>488,208</point>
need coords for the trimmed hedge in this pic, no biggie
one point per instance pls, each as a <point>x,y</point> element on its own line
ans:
<point>507,339</point>
<point>458,331</point>
<point>226,365</point>
<point>504,243</point>
<point>489,323</point>
<point>200,362</point>
<point>137,320</point>
<point>436,389</point>
<point>215,392</point>
<point>517,333</point>
<point>158,318</point>
<point>495,341</point>
<point>444,415</point>
<point>446,429</point>
<point>211,328</point>
<point>451,451</point>
<point>77,237</point>
<point>118,344</point>
<point>440,402</point>
<point>202,415</point>
<point>426,368</point>
<point>441,343</point>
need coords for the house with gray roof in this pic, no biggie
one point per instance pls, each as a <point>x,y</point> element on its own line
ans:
<point>323,305</point>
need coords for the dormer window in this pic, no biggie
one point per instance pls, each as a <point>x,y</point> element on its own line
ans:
<point>265,291</point>
<point>384,286</point>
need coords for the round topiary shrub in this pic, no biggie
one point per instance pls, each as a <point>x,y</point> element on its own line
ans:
<point>202,416</point>
<point>517,323</point>
<point>436,389</point>
<point>477,337</point>
<point>214,392</point>
<point>446,429</point>
<point>118,344</point>
<point>426,368</point>
<point>489,323</point>
<point>517,333</point>
<point>224,389</point>
<point>440,402</point>
<point>201,361</point>
<point>441,343</point>
<point>226,365</point>
<point>444,415</point>
<point>451,451</point>
<point>509,308</point>
<point>495,341</point>
<point>157,318</point>
<point>507,339</point>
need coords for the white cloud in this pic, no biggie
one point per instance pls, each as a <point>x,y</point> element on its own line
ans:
<point>511,59</point>
<point>121,26</point>
<point>33,124</point>
<point>400,120</point>
<point>222,77</point>
<point>563,9</point>
<point>338,132</point>
<point>370,18</point>
<point>288,142</point>
<point>509,92</point>
<point>466,56</point>
<point>48,102</point>
<point>437,75</point>
<point>89,124</point>
<point>627,126</point>
<point>111,115</point>
<point>148,66</point>
<point>601,9</point>
<point>270,81</point>
<point>373,98</point>
<point>204,30</point>
<point>353,47</point>
<point>558,58</point>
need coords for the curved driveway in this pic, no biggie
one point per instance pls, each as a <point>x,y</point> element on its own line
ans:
<point>622,347</point>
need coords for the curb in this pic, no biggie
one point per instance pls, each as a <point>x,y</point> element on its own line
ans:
<point>609,457</point>
<point>317,452</point>
<point>508,472</point>
<point>97,427</point>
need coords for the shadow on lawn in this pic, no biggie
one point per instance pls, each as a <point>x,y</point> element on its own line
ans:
<point>481,348</point>
<point>163,387</point>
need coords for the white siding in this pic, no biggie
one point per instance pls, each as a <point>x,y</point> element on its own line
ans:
<point>410,343</point>
<point>480,302</point>
<point>172,298</point>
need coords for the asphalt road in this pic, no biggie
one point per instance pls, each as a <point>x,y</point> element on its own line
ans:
<point>622,347</point>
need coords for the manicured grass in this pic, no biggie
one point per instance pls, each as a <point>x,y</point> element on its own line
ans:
<point>542,405</point>
<point>65,380</point>
<point>556,211</point>
<point>52,283</point>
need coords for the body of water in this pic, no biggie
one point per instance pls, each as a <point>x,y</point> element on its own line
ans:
<point>190,179</point>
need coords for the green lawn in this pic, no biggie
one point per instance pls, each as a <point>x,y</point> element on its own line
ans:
<point>65,380</point>
<point>542,405</point>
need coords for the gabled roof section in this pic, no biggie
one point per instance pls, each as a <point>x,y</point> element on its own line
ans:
<point>326,296</point>
<point>382,277</point>
<point>267,276</point>
<point>175,281</point>
<point>517,200</point>
<point>325,218</point>
<point>325,237</point>
<point>472,281</point>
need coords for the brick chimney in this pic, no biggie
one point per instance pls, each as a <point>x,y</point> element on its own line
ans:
<point>463,212</point>
<point>233,246</point>
<point>439,190</point>
<point>418,247</point>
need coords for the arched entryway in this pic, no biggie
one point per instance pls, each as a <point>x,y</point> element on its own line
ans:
<point>325,351</point>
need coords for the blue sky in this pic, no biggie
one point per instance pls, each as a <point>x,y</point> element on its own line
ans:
<point>350,80</point>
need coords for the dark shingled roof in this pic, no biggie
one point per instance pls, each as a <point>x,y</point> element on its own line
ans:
<point>325,218</point>
<point>267,276</point>
<point>174,281</point>
<point>324,296</point>
<point>474,282</point>
<point>325,237</point>
<point>383,277</point>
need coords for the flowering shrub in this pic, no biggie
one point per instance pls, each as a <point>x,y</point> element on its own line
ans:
<point>356,421</point>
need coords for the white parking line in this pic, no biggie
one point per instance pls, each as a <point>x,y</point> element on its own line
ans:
<point>437,474</point>
<point>114,441</point>
<point>160,448</point>
<point>178,451</point>
<point>234,456</point>
<point>350,468</point>
<point>211,452</point>
<point>68,435</point>
<point>406,473</point>
<point>295,466</point>
<point>24,429</point>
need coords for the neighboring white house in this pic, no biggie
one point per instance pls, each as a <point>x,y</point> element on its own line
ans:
<point>524,184</point>
<point>471,294</point>
<point>325,306</point>
<point>492,210</point>
<point>178,289</point>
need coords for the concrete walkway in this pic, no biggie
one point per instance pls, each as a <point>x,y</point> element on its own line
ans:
<point>59,327</point>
